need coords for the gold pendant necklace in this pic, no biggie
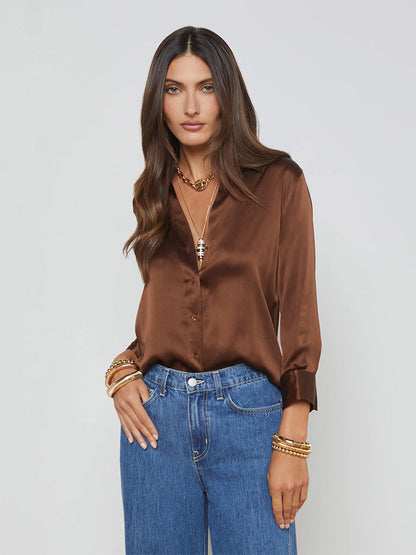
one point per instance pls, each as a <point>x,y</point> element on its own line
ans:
<point>199,184</point>
<point>201,246</point>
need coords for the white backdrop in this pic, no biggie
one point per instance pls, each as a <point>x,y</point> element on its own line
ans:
<point>334,85</point>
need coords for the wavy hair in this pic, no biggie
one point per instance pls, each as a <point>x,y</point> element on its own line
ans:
<point>232,148</point>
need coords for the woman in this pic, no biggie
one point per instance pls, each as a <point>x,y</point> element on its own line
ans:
<point>224,243</point>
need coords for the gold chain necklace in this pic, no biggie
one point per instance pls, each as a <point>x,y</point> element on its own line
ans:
<point>201,246</point>
<point>199,184</point>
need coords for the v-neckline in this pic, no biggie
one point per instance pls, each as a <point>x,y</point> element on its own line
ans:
<point>207,236</point>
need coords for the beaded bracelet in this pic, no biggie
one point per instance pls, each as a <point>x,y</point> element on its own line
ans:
<point>289,451</point>
<point>293,449</point>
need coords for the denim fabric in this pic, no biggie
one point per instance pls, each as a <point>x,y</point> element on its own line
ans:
<point>209,468</point>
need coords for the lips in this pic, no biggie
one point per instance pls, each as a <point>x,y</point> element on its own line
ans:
<point>192,125</point>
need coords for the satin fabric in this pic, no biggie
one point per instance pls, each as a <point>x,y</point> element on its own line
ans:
<point>260,264</point>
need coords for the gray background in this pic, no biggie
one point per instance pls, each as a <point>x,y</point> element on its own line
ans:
<point>334,85</point>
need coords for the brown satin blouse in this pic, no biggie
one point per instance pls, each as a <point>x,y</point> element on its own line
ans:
<point>260,262</point>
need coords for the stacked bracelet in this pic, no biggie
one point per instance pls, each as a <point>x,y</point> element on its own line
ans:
<point>123,381</point>
<point>299,449</point>
<point>115,367</point>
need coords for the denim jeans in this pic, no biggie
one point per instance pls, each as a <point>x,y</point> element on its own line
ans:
<point>209,468</point>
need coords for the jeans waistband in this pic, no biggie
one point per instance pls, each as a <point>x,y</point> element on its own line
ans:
<point>202,381</point>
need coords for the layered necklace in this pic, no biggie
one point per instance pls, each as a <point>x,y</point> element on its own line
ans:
<point>198,185</point>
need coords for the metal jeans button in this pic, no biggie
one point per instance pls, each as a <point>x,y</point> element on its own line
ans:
<point>192,381</point>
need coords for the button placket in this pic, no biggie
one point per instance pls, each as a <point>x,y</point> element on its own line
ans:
<point>194,314</point>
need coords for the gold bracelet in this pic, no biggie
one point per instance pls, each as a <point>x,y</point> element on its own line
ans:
<point>290,452</point>
<point>123,381</point>
<point>295,449</point>
<point>121,361</point>
<point>108,376</point>
<point>118,363</point>
<point>291,447</point>
<point>301,444</point>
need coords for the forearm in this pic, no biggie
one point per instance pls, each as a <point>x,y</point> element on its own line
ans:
<point>294,423</point>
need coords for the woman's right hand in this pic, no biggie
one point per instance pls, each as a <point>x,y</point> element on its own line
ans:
<point>134,419</point>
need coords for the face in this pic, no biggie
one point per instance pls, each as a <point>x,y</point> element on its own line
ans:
<point>189,97</point>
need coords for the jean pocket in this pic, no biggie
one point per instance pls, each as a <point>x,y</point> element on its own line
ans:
<point>255,396</point>
<point>153,388</point>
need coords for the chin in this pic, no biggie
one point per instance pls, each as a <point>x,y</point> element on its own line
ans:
<point>194,144</point>
<point>192,141</point>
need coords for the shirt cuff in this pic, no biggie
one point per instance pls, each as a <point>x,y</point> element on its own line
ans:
<point>299,385</point>
<point>132,345</point>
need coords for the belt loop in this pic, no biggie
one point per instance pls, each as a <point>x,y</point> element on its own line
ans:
<point>218,387</point>
<point>163,382</point>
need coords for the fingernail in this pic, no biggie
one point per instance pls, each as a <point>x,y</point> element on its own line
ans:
<point>153,444</point>
<point>292,520</point>
<point>143,445</point>
<point>282,526</point>
<point>287,526</point>
<point>156,436</point>
<point>131,440</point>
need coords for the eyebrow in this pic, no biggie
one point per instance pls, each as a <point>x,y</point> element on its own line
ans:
<point>179,83</point>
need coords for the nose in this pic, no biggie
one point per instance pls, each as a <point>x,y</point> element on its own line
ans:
<point>191,105</point>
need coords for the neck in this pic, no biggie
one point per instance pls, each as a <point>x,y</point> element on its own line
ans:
<point>193,163</point>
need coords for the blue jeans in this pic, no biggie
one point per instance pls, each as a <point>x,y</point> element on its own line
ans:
<point>209,468</point>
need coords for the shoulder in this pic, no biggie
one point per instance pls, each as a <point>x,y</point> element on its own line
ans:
<point>279,176</point>
<point>285,167</point>
<point>277,179</point>
<point>284,181</point>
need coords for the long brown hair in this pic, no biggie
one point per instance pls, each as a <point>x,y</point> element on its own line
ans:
<point>234,146</point>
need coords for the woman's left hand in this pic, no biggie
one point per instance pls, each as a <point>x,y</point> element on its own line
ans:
<point>288,486</point>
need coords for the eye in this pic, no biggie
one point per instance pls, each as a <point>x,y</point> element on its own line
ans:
<point>171,87</point>
<point>209,87</point>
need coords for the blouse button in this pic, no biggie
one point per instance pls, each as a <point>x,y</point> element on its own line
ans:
<point>194,317</point>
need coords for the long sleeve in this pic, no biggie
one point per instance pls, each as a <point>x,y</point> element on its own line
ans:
<point>195,319</point>
<point>132,346</point>
<point>300,335</point>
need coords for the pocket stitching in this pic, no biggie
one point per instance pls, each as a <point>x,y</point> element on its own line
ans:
<point>153,395</point>
<point>233,406</point>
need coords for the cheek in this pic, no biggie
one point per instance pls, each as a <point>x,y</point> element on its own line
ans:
<point>213,109</point>
<point>168,108</point>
